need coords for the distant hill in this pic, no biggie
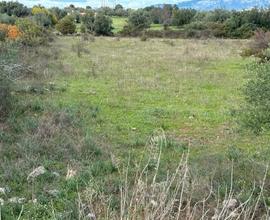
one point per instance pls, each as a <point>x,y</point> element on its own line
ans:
<point>225,4</point>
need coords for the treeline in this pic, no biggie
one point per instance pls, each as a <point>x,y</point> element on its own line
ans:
<point>174,21</point>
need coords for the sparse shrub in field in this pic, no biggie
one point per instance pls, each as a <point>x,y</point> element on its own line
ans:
<point>137,22</point>
<point>256,110</point>
<point>66,26</point>
<point>88,22</point>
<point>6,19</point>
<point>258,45</point>
<point>32,34</point>
<point>103,25</point>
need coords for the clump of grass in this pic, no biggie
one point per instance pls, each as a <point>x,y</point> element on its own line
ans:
<point>169,42</point>
<point>79,48</point>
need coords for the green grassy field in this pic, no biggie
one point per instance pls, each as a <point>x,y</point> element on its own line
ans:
<point>102,105</point>
<point>120,22</point>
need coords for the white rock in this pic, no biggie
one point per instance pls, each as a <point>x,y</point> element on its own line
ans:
<point>36,172</point>
<point>17,200</point>
<point>91,216</point>
<point>56,174</point>
<point>154,203</point>
<point>2,191</point>
<point>230,204</point>
<point>2,201</point>
<point>70,173</point>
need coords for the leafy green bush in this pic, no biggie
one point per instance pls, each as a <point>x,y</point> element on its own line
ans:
<point>256,113</point>
<point>32,34</point>
<point>6,19</point>
<point>183,16</point>
<point>88,22</point>
<point>66,26</point>
<point>139,20</point>
<point>103,25</point>
<point>43,20</point>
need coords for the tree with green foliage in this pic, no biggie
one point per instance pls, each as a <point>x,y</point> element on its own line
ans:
<point>139,20</point>
<point>66,25</point>
<point>6,19</point>
<point>14,8</point>
<point>183,16</point>
<point>256,112</point>
<point>103,25</point>
<point>88,21</point>
<point>58,13</point>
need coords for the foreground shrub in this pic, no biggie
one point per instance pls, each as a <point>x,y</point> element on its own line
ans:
<point>66,26</point>
<point>256,114</point>
<point>258,45</point>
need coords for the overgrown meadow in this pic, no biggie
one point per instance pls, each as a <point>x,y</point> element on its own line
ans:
<point>96,127</point>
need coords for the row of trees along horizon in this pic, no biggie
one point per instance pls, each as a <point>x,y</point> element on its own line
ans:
<point>185,22</point>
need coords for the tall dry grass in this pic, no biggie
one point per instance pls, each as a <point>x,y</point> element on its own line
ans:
<point>176,196</point>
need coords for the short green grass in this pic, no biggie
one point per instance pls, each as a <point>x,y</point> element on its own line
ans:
<point>109,101</point>
<point>118,23</point>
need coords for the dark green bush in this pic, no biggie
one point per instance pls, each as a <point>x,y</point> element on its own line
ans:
<point>66,26</point>
<point>43,20</point>
<point>103,25</point>
<point>139,20</point>
<point>183,16</point>
<point>256,111</point>
<point>88,22</point>
<point>6,19</point>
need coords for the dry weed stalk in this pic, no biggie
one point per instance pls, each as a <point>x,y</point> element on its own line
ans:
<point>149,198</point>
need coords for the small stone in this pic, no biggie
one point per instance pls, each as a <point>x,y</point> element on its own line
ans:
<point>36,172</point>
<point>154,203</point>
<point>56,174</point>
<point>17,200</point>
<point>91,216</point>
<point>2,191</point>
<point>2,202</point>
<point>230,204</point>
